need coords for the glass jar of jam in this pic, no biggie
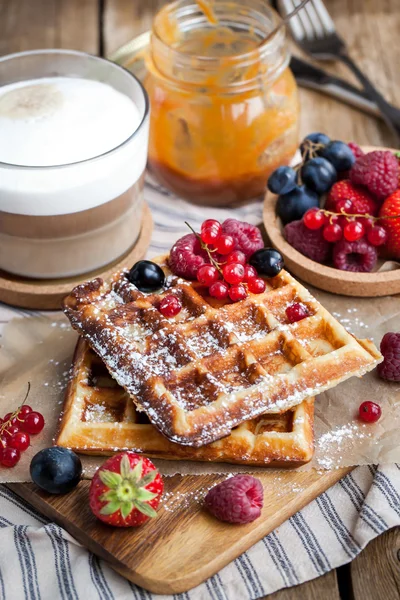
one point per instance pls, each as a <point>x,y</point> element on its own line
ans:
<point>224,104</point>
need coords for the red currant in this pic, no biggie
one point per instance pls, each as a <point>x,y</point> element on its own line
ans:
<point>249,273</point>
<point>20,441</point>
<point>314,219</point>
<point>13,421</point>
<point>353,231</point>
<point>233,273</point>
<point>296,312</point>
<point>332,232</point>
<point>4,440</point>
<point>10,457</point>
<point>377,235</point>
<point>237,292</point>
<point>24,410</point>
<point>170,306</point>
<point>224,244</point>
<point>33,422</point>
<point>219,290</point>
<point>368,223</point>
<point>11,429</point>
<point>207,274</point>
<point>369,412</point>
<point>256,285</point>
<point>237,256</point>
<point>210,231</point>
<point>344,205</point>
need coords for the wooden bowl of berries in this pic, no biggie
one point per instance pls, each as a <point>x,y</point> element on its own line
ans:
<point>335,217</point>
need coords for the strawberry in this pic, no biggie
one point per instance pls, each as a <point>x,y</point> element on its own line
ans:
<point>390,208</point>
<point>126,490</point>
<point>362,201</point>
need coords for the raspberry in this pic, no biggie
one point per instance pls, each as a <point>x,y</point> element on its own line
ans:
<point>187,256</point>
<point>247,237</point>
<point>378,171</point>
<point>362,202</point>
<point>390,347</point>
<point>356,256</point>
<point>356,150</point>
<point>391,207</point>
<point>236,500</point>
<point>309,242</point>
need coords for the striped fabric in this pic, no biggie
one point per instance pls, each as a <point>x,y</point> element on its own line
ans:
<point>39,560</point>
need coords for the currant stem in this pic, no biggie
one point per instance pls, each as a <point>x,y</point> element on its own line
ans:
<point>206,248</point>
<point>14,415</point>
<point>353,216</point>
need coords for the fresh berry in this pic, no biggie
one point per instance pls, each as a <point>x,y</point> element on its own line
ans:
<point>377,235</point>
<point>249,273</point>
<point>237,256</point>
<point>224,244</point>
<point>315,138</point>
<point>356,150</point>
<point>24,410</point>
<point>12,421</point>
<point>238,499</point>
<point>378,171</point>
<point>267,261</point>
<point>219,290</point>
<point>126,490</point>
<point>339,155</point>
<point>390,367</point>
<point>237,292</point>
<point>207,274</point>
<point>233,273</point>
<point>318,174</point>
<point>32,423</point>
<point>147,276</point>
<point>20,440</point>
<point>391,208</point>
<point>369,412</point>
<point>344,192</point>
<point>247,237</point>
<point>170,306</point>
<point>256,285</point>
<point>353,231</point>
<point>56,470</point>
<point>332,233</point>
<point>9,457</point>
<point>357,256</point>
<point>310,243</point>
<point>282,180</point>
<point>210,231</point>
<point>314,219</point>
<point>187,256</point>
<point>11,430</point>
<point>292,206</point>
<point>296,312</point>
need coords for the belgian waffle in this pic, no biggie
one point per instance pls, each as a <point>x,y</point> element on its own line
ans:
<point>99,417</point>
<point>211,367</point>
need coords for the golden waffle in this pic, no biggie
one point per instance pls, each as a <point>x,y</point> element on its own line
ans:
<point>211,367</point>
<point>99,417</point>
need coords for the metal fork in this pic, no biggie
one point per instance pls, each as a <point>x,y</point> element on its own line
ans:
<point>314,31</point>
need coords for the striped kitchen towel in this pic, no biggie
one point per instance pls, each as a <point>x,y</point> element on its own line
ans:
<point>40,561</point>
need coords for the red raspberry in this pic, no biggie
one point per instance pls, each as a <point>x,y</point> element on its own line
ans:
<point>247,237</point>
<point>236,500</point>
<point>356,150</point>
<point>362,203</point>
<point>390,347</point>
<point>378,171</point>
<point>309,242</point>
<point>369,412</point>
<point>391,207</point>
<point>357,256</point>
<point>187,256</point>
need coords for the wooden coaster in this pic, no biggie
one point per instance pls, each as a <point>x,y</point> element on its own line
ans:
<point>47,294</point>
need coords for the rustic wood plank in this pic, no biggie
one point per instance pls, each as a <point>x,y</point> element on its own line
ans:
<point>325,587</point>
<point>375,573</point>
<point>26,25</point>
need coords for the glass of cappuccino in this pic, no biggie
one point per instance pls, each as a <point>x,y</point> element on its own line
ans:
<point>73,149</point>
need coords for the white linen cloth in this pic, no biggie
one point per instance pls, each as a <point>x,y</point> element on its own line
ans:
<point>41,561</point>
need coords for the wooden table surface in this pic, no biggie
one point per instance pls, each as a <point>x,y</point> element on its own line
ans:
<point>371,29</point>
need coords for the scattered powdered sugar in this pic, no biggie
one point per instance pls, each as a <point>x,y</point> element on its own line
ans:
<point>329,446</point>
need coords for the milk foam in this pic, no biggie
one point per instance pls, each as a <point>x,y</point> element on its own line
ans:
<point>61,120</point>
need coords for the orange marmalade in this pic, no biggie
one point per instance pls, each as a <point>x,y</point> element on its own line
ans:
<point>224,105</point>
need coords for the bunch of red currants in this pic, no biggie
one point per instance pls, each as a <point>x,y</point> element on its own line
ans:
<point>15,431</point>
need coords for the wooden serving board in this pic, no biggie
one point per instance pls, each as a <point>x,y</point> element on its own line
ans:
<point>184,545</point>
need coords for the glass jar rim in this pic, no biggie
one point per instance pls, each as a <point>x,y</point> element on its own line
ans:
<point>78,53</point>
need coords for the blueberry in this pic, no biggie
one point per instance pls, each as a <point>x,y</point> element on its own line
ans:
<point>282,180</point>
<point>316,138</point>
<point>147,276</point>
<point>267,261</point>
<point>319,174</point>
<point>56,470</point>
<point>339,154</point>
<point>292,206</point>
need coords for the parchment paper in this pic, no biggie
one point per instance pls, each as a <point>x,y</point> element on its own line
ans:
<point>39,349</point>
